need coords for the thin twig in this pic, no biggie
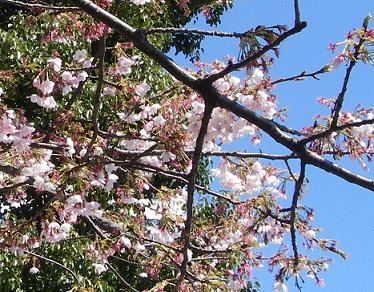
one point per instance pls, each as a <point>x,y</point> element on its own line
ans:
<point>121,278</point>
<point>8,188</point>
<point>55,263</point>
<point>144,153</point>
<point>337,128</point>
<point>287,129</point>
<point>252,57</point>
<point>177,176</point>
<point>302,76</point>
<point>51,146</point>
<point>339,101</point>
<point>175,30</point>
<point>290,171</point>
<point>129,153</point>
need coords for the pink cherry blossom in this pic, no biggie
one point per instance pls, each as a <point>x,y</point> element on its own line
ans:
<point>55,63</point>
<point>46,87</point>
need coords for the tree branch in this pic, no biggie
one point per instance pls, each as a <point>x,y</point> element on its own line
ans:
<point>233,67</point>
<point>293,219</point>
<point>297,12</point>
<point>335,129</point>
<point>180,177</point>
<point>121,278</point>
<point>9,169</point>
<point>191,189</point>
<point>127,153</point>
<point>55,263</point>
<point>175,30</point>
<point>97,97</point>
<point>339,101</point>
<point>302,76</point>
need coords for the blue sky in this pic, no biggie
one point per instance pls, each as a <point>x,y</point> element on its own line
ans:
<point>344,211</point>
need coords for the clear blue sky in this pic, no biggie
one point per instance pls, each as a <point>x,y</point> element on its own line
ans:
<point>344,211</point>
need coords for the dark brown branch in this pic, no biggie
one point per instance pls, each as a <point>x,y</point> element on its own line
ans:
<point>127,153</point>
<point>248,155</point>
<point>9,169</point>
<point>233,67</point>
<point>297,12</point>
<point>195,31</point>
<point>268,213</point>
<point>146,152</point>
<point>339,101</point>
<point>290,171</point>
<point>77,92</point>
<point>50,146</point>
<point>191,189</point>
<point>302,76</point>
<point>180,177</point>
<point>16,185</point>
<point>337,128</point>
<point>287,129</point>
<point>97,97</point>
<point>117,86</point>
<point>293,219</point>
<point>120,136</point>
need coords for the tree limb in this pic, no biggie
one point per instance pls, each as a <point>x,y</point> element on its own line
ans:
<point>191,189</point>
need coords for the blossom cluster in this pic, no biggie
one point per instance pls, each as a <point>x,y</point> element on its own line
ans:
<point>15,131</point>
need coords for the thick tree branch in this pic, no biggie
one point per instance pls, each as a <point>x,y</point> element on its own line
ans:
<point>9,169</point>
